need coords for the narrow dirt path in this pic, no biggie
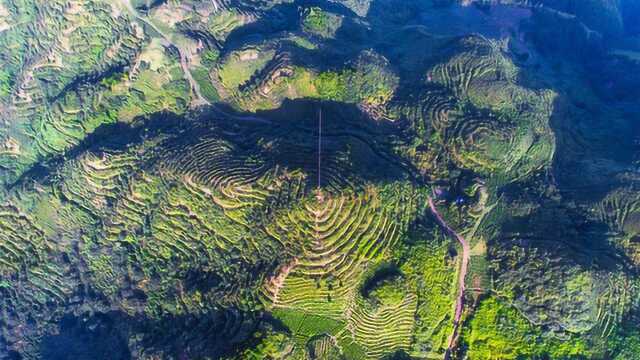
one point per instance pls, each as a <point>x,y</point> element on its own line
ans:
<point>463,273</point>
<point>276,283</point>
<point>184,60</point>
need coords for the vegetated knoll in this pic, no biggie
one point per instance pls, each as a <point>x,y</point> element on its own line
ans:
<point>182,222</point>
<point>532,235</point>
<point>125,236</point>
<point>471,112</point>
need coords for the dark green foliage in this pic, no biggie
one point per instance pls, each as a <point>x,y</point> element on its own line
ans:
<point>165,194</point>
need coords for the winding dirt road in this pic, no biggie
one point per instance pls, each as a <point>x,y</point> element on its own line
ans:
<point>184,59</point>
<point>463,273</point>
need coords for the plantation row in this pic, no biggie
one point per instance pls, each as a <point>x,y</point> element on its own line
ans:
<point>620,211</point>
<point>387,328</point>
<point>472,106</point>
<point>35,281</point>
<point>343,236</point>
<point>474,59</point>
<point>22,242</point>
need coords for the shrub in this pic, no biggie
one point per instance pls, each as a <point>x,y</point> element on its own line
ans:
<point>331,86</point>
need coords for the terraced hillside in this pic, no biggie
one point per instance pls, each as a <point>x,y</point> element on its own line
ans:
<point>339,179</point>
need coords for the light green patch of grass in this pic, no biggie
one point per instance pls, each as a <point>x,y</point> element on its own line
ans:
<point>302,83</point>
<point>201,75</point>
<point>151,92</point>
<point>240,66</point>
<point>154,55</point>
<point>299,85</point>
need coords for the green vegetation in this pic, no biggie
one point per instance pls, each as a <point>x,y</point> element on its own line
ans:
<point>388,292</point>
<point>113,80</point>
<point>370,82</point>
<point>373,82</point>
<point>425,267</point>
<point>270,346</point>
<point>321,23</point>
<point>201,75</point>
<point>5,83</point>
<point>306,325</point>
<point>210,57</point>
<point>624,344</point>
<point>222,23</point>
<point>303,42</point>
<point>497,331</point>
<point>164,190</point>
<point>238,67</point>
<point>325,286</point>
<point>331,86</point>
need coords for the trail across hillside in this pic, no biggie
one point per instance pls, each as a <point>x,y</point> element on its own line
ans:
<point>184,60</point>
<point>463,274</point>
